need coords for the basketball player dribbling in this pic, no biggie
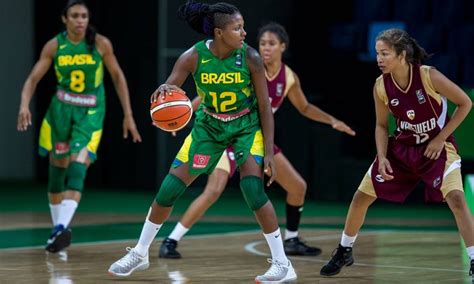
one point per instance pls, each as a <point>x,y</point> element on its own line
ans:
<point>282,82</point>
<point>230,79</point>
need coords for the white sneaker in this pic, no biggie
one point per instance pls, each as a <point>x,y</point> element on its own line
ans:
<point>278,272</point>
<point>130,262</point>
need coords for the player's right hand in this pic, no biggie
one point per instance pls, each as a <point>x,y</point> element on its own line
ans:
<point>24,119</point>
<point>270,168</point>
<point>164,90</point>
<point>385,169</point>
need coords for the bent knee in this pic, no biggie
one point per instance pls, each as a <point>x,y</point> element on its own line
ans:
<point>456,200</point>
<point>301,186</point>
<point>362,199</point>
<point>297,189</point>
<point>212,194</point>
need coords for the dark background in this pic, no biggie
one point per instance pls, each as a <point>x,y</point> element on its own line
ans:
<point>328,46</point>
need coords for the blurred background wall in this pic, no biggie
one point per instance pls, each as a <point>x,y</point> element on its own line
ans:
<point>17,154</point>
<point>331,49</point>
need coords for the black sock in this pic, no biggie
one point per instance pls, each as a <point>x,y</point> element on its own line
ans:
<point>293,217</point>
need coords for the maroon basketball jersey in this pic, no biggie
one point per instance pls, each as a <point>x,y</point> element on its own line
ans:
<point>420,111</point>
<point>279,85</point>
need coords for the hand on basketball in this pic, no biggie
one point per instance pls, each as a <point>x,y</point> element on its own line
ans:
<point>341,126</point>
<point>385,169</point>
<point>164,90</point>
<point>24,119</point>
<point>434,148</point>
<point>270,169</point>
<point>129,125</point>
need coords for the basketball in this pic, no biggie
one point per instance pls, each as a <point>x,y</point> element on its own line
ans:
<point>172,112</point>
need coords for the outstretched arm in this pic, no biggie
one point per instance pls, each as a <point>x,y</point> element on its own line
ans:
<point>298,99</point>
<point>257,71</point>
<point>118,78</point>
<point>38,71</point>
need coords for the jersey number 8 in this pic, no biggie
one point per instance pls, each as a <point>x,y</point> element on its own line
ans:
<point>77,81</point>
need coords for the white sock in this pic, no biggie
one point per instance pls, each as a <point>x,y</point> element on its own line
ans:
<point>276,246</point>
<point>147,236</point>
<point>54,208</point>
<point>347,241</point>
<point>68,208</point>
<point>470,252</point>
<point>290,234</point>
<point>178,232</point>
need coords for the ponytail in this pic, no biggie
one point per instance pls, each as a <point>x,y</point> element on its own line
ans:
<point>204,18</point>
<point>400,40</point>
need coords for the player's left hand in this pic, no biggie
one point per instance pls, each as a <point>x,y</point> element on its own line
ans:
<point>434,148</point>
<point>270,169</point>
<point>129,125</point>
<point>341,126</point>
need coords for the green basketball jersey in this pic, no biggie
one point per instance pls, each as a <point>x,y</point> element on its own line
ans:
<point>77,69</point>
<point>225,85</point>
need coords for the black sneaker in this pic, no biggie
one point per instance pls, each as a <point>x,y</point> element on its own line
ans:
<point>168,249</point>
<point>340,257</point>
<point>295,246</point>
<point>59,239</point>
<point>471,272</point>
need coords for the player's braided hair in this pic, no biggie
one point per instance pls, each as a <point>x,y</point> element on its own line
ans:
<point>203,17</point>
<point>400,40</point>
<point>91,31</point>
<point>276,29</point>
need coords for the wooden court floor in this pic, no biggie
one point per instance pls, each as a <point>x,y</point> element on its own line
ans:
<point>380,257</point>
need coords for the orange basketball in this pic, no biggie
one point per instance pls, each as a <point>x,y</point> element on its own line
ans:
<point>172,112</point>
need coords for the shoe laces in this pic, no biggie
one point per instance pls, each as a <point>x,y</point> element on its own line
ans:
<point>301,242</point>
<point>276,269</point>
<point>334,252</point>
<point>336,255</point>
<point>130,259</point>
<point>170,243</point>
<point>56,230</point>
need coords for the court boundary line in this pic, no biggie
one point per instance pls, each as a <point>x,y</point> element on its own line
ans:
<point>250,247</point>
<point>203,236</point>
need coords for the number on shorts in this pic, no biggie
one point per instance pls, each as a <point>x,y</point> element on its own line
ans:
<point>77,81</point>
<point>422,137</point>
<point>227,99</point>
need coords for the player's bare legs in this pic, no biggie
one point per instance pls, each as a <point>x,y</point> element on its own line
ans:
<point>357,211</point>
<point>159,214</point>
<point>464,220</point>
<point>290,180</point>
<point>295,186</point>
<point>63,204</point>
<point>342,256</point>
<point>251,177</point>
<point>216,184</point>
<point>173,185</point>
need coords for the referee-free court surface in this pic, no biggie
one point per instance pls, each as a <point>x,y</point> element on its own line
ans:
<point>399,243</point>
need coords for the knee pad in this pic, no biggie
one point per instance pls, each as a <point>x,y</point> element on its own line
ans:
<point>76,174</point>
<point>56,179</point>
<point>253,191</point>
<point>170,190</point>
